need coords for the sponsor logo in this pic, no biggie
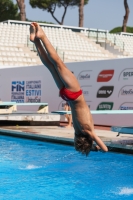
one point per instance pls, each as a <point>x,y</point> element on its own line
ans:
<point>126,106</point>
<point>84,75</point>
<point>105,75</point>
<point>33,99</point>
<point>126,90</point>
<point>105,106</point>
<point>88,103</point>
<point>61,105</point>
<point>126,74</point>
<point>105,92</point>
<point>85,90</point>
<point>17,91</point>
<point>18,86</point>
<point>33,91</point>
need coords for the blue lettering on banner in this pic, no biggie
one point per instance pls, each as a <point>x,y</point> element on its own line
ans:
<point>18,101</point>
<point>33,92</point>
<point>126,108</point>
<point>37,86</point>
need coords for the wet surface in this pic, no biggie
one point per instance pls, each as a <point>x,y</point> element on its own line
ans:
<point>61,133</point>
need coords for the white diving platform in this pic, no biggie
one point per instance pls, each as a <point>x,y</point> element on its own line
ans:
<point>107,112</point>
<point>9,113</point>
<point>120,130</point>
<point>9,107</point>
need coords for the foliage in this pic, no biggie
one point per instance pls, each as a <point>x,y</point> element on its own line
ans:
<point>119,29</point>
<point>116,30</point>
<point>50,6</point>
<point>8,10</point>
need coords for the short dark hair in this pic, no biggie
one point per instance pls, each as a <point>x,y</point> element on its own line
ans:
<point>83,144</point>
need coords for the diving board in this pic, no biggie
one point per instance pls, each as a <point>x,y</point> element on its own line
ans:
<point>124,130</point>
<point>6,103</point>
<point>9,107</point>
<point>120,130</point>
<point>31,104</point>
<point>62,112</point>
<point>98,112</point>
<point>43,107</point>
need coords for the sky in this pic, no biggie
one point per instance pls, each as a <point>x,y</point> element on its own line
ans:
<point>98,14</point>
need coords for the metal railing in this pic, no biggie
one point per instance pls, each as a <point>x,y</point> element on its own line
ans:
<point>60,53</point>
<point>32,47</point>
<point>100,36</point>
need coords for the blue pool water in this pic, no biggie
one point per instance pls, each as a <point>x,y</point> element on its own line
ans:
<point>33,170</point>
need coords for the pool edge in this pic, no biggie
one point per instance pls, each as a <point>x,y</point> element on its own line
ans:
<point>59,140</point>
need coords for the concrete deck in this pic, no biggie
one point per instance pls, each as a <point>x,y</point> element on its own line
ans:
<point>123,143</point>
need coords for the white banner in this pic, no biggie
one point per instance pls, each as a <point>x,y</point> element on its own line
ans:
<point>106,85</point>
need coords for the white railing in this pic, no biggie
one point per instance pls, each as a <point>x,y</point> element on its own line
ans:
<point>97,35</point>
<point>74,28</point>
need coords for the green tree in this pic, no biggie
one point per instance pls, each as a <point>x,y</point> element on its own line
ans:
<point>125,20</point>
<point>8,10</point>
<point>21,5</point>
<point>50,6</point>
<point>119,29</point>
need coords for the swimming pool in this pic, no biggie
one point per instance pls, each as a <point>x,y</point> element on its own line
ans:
<point>35,170</point>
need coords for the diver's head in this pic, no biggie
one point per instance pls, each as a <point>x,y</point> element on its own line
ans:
<point>83,144</point>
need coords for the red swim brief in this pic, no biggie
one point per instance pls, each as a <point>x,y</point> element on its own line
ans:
<point>67,95</point>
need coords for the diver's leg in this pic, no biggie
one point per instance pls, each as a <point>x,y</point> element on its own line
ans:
<point>44,57</point>
<point>67,77</point>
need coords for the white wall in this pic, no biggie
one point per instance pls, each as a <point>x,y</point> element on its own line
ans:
<point>116,87</point>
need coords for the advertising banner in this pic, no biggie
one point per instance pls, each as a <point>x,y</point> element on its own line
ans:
<point>106,85</point>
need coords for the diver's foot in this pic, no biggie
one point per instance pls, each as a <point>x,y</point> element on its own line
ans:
<point>39,32</point>
<point>32,32</point>
<point>68,126</point>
